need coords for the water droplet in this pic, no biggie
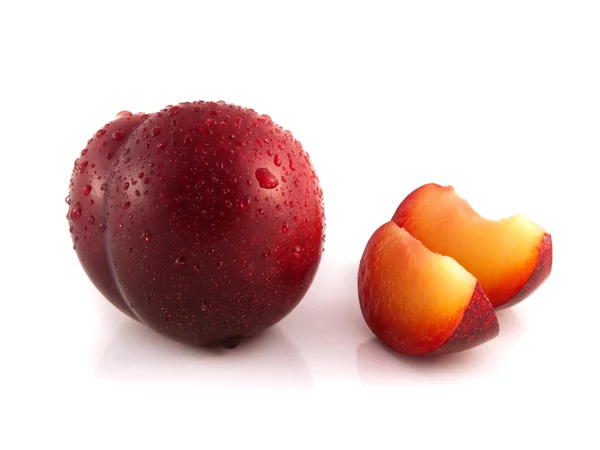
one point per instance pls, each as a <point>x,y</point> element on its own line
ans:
<point>261,210</point>
<point>278,207</point>
<point>174,110</point>
<point>101,132</point>
<point>291,203</point>
<point>284,228</point>
<point>118,135</point>
<point>203,306</point>
<point>146,236</point>
<point>180,262</point>
<point>219,264</point>
<point>297,252</point>
<point>102,227</point>
<point>82,166</point>
<point>124,114</point>
<point>187,139</point>
<point>202,129</point>
<point>210,251</point>
<point>68,200</point>
<point>137,193</point>
<point>91,220</point>
<point>228,204</point>
<point>126,185</point>
<point>147,180</point>
<point>141,175</point>
<point>87,189</point>
<point>104,186</point>
<point>84,152</point>
<point>76,211</point>
<point>126,205</point>
<point>277,160</point>
<point>197,267</point>
<point>266,179</point>
<point>296,219</point>
<point>155,131</point>
<point>244,204</point>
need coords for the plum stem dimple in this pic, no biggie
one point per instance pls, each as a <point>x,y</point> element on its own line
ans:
<point>231,342</point>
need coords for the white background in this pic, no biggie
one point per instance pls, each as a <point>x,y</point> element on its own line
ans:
<point>499,99</point>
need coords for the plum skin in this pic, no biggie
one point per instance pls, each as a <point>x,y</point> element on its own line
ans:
<point>85,200</point>
<point>202,247</point>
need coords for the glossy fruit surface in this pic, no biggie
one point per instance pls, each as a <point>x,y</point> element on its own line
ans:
<point>511,257</point>
<point>86,195</point>
<point>419,302</point>
<point>214,222</point>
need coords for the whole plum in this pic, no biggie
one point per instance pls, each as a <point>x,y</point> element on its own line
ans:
<point>212,222</point>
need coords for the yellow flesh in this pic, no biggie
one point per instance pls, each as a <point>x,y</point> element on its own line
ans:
<point>420,295</point>
<point>500,254</point>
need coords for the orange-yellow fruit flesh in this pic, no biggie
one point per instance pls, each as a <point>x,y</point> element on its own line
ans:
<point>412,298</point>
<point>502,254</point>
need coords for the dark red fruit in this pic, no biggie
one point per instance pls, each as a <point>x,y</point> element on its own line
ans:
<point>214,222</point>
<point>86,195</point>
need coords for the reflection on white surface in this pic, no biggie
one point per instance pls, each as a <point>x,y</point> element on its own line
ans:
<point>510,324</point>
<point>378,364</point>
<point>138,354</point>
